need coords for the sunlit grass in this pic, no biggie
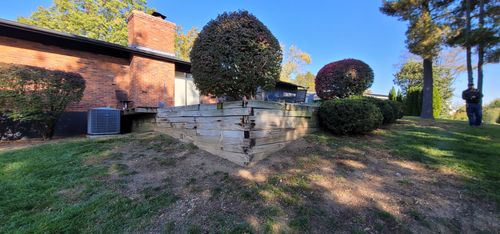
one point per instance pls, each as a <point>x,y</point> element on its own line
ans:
<point>446,145</point>
<point>62,187</point>
<point>471,152</point>
<point>52,188</point>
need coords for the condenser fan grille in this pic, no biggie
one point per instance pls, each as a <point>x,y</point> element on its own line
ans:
<point>103,121</point>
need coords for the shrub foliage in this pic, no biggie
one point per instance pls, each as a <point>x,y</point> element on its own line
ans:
<point>414,101</point>
<point>233,55</point>
<point>397,108</point>
<point>38,95</point>
<point>387,112</point>
<point>414,98</point>
<point>343,78</point>
<point>349,116</point>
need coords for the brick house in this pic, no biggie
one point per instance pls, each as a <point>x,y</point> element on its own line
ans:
<point>144,75</point>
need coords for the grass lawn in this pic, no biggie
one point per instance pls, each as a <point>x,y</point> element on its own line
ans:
<point>447,145</point>
<point>57,188</point>
<point>413,176</point>
<point>453,145</point>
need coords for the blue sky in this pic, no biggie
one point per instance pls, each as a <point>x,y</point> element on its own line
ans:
<point>327,30</point>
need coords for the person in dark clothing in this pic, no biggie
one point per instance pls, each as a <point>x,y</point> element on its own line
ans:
<point>473,97</point>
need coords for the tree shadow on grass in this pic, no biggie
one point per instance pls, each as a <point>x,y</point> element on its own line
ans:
<point>469,152</point>
<point>356,184</point>
<point>322,184</point>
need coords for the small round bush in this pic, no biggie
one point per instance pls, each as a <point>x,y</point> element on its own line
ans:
<point>349,116</point>
<point>385,108</point>
<point>343,78</point>
<point>397,107</point>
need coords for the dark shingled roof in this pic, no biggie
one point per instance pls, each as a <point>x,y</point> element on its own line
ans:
<point>69,41</point>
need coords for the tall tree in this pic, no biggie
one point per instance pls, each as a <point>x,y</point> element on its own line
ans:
<point>293,63</point>
<point>480,50</point>
<point>98,19</point>
<point>392,94</point>
<point>399,96</point>
<point>184,42</point>
<point>480,30</point>
<point>424,38</point>
<point>468,52</point>
<point>306,80</point>
<point>487,36</point>
<point>411,75</point>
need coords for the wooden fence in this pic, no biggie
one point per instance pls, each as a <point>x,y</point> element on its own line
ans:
<point>242,132</point>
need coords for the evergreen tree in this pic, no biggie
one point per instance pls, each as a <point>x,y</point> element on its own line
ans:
<point>424,37</point>
<point>487,36</point>
<point>437,104</point>
<point>392,94</point>
<point>414,99</point>
<point>399,96</point>
<point>98,19</point>
<point>411,75</point>
<point>479,29</point>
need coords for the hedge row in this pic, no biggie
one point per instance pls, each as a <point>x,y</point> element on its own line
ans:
<point>357,115</point>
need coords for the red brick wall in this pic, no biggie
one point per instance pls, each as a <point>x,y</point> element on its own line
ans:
<point>152,82</point>
<point>147,82</point>
<point>103,74</point>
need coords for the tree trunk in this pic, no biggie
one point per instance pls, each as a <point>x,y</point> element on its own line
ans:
<point>480,51</point>
<point>470,77</point>
<point>427,112</point>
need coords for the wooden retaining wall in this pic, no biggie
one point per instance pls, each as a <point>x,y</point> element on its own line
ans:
<point>242,132</point>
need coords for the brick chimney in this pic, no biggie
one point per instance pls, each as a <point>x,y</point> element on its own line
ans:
<point>151,32</point>
<point>152,81</point>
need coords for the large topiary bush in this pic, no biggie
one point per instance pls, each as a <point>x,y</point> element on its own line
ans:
<point>37,95</point>
<point>349,116</point>
<point>233,55</point>
<point>343,78</point>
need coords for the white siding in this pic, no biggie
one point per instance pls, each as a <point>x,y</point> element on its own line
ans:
<point>185,90</point>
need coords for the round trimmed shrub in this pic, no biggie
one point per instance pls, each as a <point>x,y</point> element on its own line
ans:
<point>343,78</point>
<point>349,116</point>
<point>397,108</point>
<point>233,55</point>
<point>387,112</point>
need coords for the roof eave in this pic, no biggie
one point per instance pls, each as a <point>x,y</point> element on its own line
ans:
<point>81,39</point>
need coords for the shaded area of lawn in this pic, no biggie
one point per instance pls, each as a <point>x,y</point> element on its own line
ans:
<point>53,188</point>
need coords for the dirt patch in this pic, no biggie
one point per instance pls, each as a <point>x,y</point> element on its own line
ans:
<point>307,187</point>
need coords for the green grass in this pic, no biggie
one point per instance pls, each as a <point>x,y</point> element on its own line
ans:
<point>472,153</point>
<point>53,188</point>
<point>66,187</point>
